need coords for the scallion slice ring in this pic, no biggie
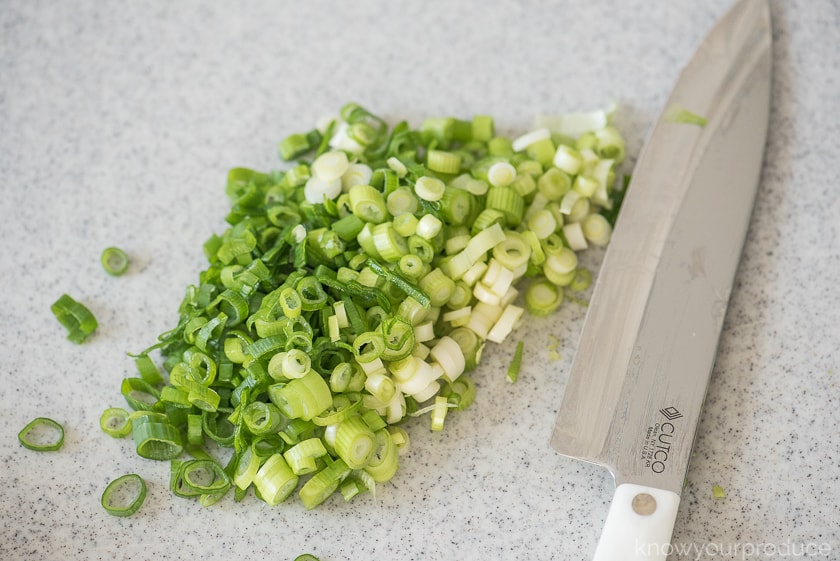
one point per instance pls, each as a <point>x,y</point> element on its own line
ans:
<point>114,261</point>
<point>115,422</point>
<point>42,435</point>
<point>124,495</point>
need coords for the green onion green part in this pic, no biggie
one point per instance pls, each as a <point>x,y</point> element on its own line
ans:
<point>114,261</point>
<point>75,317</point>
<point>42,434</point>
<point>677,114</point>
<point>115,422</point>
<point>124,495</point>
<point>516,363</point>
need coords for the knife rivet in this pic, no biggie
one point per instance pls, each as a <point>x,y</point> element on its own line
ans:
<point>644,504</point>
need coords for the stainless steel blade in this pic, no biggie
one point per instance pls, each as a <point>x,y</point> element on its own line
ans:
<point>646,352</point>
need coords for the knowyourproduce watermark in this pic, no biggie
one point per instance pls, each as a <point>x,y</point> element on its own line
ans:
<point>743,551</point>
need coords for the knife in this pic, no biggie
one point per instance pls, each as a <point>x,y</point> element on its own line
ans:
<point>646,351</point>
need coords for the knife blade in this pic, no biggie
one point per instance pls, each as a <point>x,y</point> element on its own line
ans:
<point>647,348</point>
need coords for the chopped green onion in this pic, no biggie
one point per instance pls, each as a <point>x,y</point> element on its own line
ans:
<point>301,457</point>
<point>383,463</point>
<point>581,281</point>
<point>354,442</point>
<point>367,203</point>
<point>439,413</point>
<point>203,477</point>
<point>597,230</point>
<point>402,203</point>
<point>482,128</point>
<point>542,150</point>
<point>354,289</point>
<point>302,398</point>
<point>323,484</point>
<point>139,394</point>
<point>718,492</point>
<point>75,317</point>
<point>516,363</point>
<point>677,114</point>
<point>156,440</point>
<point>246,469</point>
<point>389,244</point>
<point>501,174</point>
<point>330,165</point>
<point>429,227</point>
<point>443,162</point>
<point>368,346</point>
<point>124,495</point>
<point>506,323</point>
<point>471,346</point>
<point>115,422</point>
<point>275,480</point>
<point>262,418</point>
<point>523,142</point>
<point>148,370</point>
<point>542,298</point>
<point>567,160</point>
<point>457,205</point>
<point>42,434</point>
<point>575,124</point>
<point>195,434</point>
<point>429,188</point>
<point>294,145</point>
<point>438,286</point>
<point>114,261</point>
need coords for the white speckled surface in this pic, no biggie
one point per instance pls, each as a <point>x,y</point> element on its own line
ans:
<point>118,123</point>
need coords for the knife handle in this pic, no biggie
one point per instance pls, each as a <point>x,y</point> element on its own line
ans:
<point>639,524</point>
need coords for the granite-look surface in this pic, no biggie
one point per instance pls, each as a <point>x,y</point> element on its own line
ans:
<point>118,122</point>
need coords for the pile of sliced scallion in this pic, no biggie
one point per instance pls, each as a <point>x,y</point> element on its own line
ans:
<point>356,289</point>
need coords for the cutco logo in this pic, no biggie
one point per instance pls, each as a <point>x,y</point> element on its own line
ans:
<point>658,440</point>
<point>671,413</point>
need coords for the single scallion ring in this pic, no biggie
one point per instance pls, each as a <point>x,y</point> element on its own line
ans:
<point>124,495</point>
<point>114,261</point>
<point>42,435</point>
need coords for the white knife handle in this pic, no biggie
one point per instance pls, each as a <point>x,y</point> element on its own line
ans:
<point>639,524</point>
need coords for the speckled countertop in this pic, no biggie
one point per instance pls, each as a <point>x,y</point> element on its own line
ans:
<point>118,122</point>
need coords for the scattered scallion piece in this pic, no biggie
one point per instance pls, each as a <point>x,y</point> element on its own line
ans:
<point>718,492</point>
<point>114,261</point>
<point>516,363</point>
<point>42,434</point>
<point>115,422</point>
<point>678,114</point>
<point>75,317</point>
<point>124,495</point>
<point>355,289</point>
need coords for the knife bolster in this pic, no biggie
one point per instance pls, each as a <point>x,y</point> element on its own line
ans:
<point>639,524</point>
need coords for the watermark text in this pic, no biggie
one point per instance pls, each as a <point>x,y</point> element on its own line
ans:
<point>743,551</point>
